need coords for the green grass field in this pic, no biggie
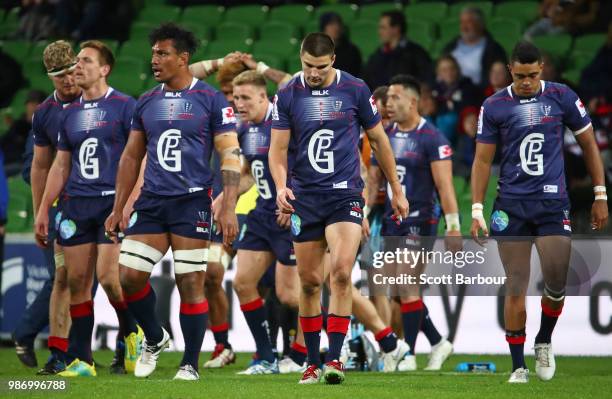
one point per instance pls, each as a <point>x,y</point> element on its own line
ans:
<point>577,377</point>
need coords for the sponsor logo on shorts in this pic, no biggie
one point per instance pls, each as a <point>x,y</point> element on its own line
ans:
<point>342,184</point>
<point>202,224</point>
<point>133,219</point>
<point>67,229</point>
<point>414,236</point>
<point>356,210</point>
<point>242,232</point>
<point>567,224</point>
<point>499,221</point>
<point>296,224</point>
<point>58,219</point>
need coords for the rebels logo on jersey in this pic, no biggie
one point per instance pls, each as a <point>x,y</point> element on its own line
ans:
<point>528,132</point>
<point>325,124</point>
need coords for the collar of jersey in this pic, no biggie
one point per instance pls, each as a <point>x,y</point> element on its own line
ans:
<point>422,123</point>
<point>108,93</point>
<point>538,94</point>
<point>338,74</point>
<point>193,83</point>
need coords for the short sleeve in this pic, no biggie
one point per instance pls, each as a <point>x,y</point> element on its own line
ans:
<point>367,110</point>
<point>128,113</point>
<point>62,138</point>
<point>222,119</point>
<point>575,115</point>
<point>487,131</point>
<point>280,111</point>
<point>136,122</point>
<point>38,131</point>
<point>438,147</point>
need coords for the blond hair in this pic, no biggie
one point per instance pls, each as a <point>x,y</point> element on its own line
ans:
<point>58,57</point>
<point>250,78</point>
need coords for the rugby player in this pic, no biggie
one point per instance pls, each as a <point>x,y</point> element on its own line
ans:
<point>176,124</point>
<point>320,112</point>
<point>527,121</point>
<point>93,131</point>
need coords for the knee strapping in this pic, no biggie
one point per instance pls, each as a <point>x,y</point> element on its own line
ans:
<point>555,296</point>
<point>139,256</point>
<point>190,260</point>
<point>58,256</point>
<point>216,254</point>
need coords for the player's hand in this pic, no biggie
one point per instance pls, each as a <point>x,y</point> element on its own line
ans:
<point>248,61</point>
<point>282,200</point>
<point>228,226</point>
<point>599,214</point>
<point>125,217</point>
<point>400,205</point>
<point>233,57</point>
<point>112,226</point>
<point>365,229</point>
<point>479,224</point>
<point>283,219</point>
<point>453,241</point>
<point>41,229</point>
<point>216,207</point>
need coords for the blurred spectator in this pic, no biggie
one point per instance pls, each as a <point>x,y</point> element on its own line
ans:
<point>397,55</point>
<point>564,16</point>
<point>11,78</point>
<point>13,143</point>
<point>36,20</point>
<point>499,78</point>
<point>87,19</point>
<point>474,49</point>
<point>596,79</point>
<point>456,98</point>
<point>380,96</point>
<point>348,56</point>
<point>551,70</point>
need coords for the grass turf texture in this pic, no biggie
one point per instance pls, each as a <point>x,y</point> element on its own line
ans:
<point>577,377</point>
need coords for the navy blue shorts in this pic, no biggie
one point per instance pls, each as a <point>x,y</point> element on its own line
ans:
<point>262,233</point>
<point>314,212</point>
<point>513,217</point>
<point>419,233</point>
<point>186,215</point>
<point>80,220</point>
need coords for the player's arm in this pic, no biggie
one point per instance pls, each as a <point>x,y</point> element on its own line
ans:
<point>129,205</point>
<point>481,171</point>
<point>374,179</point>
<point>127,176</point>
<point>228,148</point>
<point>205,68</point>
<point>384,157</point>
<point>594,165</point>
<point>56,180</point>
<point>442,172</point>
<point>277,158</point>
<point>246,178</point>
<point>41,165</point>
<point>278,77</point>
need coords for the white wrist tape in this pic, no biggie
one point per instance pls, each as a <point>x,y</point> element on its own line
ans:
<point>366,211</point>
<point>452,222</point>
<point>601,197</point>
<point>478,215</point>
<point>261,67</point>
<point>599,189</point>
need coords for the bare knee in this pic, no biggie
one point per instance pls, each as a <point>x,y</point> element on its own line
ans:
<point>60,281</point>
<point>244,286</point>
<point>190,286</point>
<point>341,277</point>
<point>288,296</point>
<point>214,278</point>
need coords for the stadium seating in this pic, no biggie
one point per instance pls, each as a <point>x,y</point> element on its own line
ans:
<point>18,49</point>
<point>557,46</point>
<point>296,14</point>
<point>485,6</point>
<point>129,74</point>
<point>434,11</point>
<point>205,15</point>
<point>281,47</point>
<point>590,42</point>
<point>523,11</point>
<point>252,15</point>
<point>348,12</point>
<point>156,14</point>
<point>372,11</point>
<point>277,30</point>
<point>136,48</point>
<point>220,48</point>
<point>140,30</point>
<point>10,22</point>
<point>19,213</point>
<point>233,31</point>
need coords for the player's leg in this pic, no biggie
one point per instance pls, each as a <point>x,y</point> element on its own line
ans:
<point>80,266</point>
<point>515,256</point>
<point>343,239</point>
<point>190,256</point>
<point>412,309</point>
<point>554,252</point>
<point>218,261</point>
<point>383,307</point>
<point>138,254</point>
<point>396,316</point>
<point>129,340</point>
<point>251,267</point>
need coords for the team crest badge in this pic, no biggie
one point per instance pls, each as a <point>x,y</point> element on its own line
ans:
<point>337,105</point>
<point>133,219</point>
<point>499,221</point>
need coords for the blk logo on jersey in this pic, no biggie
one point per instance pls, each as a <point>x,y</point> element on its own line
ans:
<point>89,164</point>
<point>532,161</point>
<point>168,151</point>
<point>320,158</point>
